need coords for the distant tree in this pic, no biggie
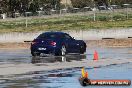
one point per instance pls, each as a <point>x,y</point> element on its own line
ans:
<point>120,2</point>
<point>81,3</point>
<point>101,2</point>
<point>55,4</point>
<point>21,6</point>
<point>33,6</point>
<point>3,6</point>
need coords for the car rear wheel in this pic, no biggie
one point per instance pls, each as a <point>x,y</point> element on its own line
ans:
<point>35,54</point>
<point>63,50</point>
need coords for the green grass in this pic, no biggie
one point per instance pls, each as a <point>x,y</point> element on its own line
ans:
<point>103,21</point>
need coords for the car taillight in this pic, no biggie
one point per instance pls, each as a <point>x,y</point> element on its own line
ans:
<point>53,43</point>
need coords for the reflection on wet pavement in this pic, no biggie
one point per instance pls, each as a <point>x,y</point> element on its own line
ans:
<point>52,59</point>
<point>24,56</point>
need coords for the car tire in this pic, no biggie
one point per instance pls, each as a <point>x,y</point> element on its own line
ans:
<point>35,54</point>
<point>81,50</point>
<point>63,50</point>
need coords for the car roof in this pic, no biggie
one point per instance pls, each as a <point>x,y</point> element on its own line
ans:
<point>54,33</point>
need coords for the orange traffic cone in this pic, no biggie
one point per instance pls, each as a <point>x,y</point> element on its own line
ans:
<point>96,57</point>
<point>86,75</point>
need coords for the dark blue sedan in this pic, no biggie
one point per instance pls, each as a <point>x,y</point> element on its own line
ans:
<point>56,43</point>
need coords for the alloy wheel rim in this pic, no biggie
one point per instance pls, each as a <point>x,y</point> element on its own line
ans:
<point>63,50</point>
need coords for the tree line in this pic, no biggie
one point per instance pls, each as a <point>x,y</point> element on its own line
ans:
<point>22,6</point>
<point>84,3</point>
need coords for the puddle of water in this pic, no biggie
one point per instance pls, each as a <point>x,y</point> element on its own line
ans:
<point>68,58</point>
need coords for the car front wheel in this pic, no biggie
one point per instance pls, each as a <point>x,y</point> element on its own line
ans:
<point>82,49</point>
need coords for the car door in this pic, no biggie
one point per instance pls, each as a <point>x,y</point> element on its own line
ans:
<point>72,45</point>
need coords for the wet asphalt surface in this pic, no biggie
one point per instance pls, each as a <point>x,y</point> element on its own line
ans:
<point>24,56</point>
<point>64,78</point>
